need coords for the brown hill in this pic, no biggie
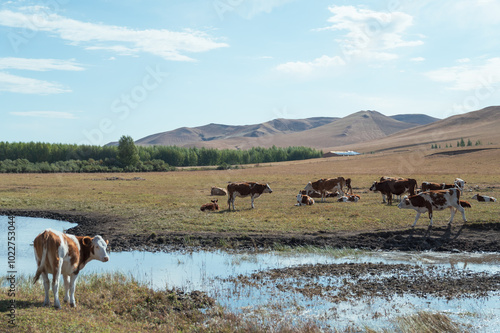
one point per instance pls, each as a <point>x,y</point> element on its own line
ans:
<point>482,125</point>
<point>203,135</point>
<point>358,127</point>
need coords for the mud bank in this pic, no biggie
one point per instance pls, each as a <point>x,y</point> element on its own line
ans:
<point>470,237</point>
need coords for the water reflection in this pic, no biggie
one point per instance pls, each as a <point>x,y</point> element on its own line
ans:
<point>208,271</point>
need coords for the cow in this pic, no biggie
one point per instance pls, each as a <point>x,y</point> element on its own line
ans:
<point>218,191</point>
<point>431,186</point>
<point>304,200</point>
<point>484,198</point>
<point>58,253</point>
<point>460,183</point>
<point>244,189</point>
<point>389,178</point>
<point>349,198</point>
<point>316,194</point>
<point>434,200</point>
<point>397,187</point>
<point>210,206</point>
<point>325,185</point>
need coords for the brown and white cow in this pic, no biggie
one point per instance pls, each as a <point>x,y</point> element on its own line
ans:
<point>218,191</point>
<point>316,194</point>
<point>484,198</point>
<point>244,189</point>
<point>431,186</point>
<point>398,187</point>
<point>349,198</point>
<point>388,178</point>
<point>325,185</point>
<point>304,200</point>
<point>434,200</point>
<point>57,253</point>
<point>213,206</point>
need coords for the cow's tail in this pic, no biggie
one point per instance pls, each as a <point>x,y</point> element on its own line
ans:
<point>41,266</point>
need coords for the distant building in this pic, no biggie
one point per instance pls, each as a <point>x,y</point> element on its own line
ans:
<point>340,153</point>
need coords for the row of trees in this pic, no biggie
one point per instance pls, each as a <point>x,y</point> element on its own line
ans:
<point>460,143</point>
<point>45,157</point>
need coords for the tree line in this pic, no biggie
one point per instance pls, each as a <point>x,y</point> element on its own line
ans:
<point>49,157</point>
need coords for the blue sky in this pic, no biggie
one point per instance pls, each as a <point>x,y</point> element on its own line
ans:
<point>88,72</point>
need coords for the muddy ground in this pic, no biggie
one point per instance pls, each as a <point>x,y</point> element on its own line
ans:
<point>469,237</point>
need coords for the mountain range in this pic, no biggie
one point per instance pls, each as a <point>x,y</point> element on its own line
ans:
<point>363,131</point>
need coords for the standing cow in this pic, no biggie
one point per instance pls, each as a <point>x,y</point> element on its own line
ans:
<point>244,189</point>
<point>57,253</point>
<point>397,187</point>
<point>325,185</point>
<point>434,200</point>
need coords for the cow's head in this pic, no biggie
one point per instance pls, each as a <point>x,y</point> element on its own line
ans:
<point>267,189</point>
<point>460,183</point>
<point>405,203</point>
<point>373,187</point>
<point>299,197</point>
<point>98,247</point>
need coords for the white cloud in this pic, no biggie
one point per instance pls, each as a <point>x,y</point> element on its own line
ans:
<point>468,77</point>
<point>371,35</point>
<point>418,59</point>
<point>170,45</point>
<point>305,68</point>
<point>24,85</point>
<point>39,64</point>
<point>45,114</point>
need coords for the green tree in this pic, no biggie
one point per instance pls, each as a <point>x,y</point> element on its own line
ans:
<point>127,151</point>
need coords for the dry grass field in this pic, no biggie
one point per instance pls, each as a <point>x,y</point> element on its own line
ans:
<point>169,202</point>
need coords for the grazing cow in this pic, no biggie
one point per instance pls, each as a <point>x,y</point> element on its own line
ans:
<point>217,191</point>
<point>325,185</point>
<point>460,184</point>
<point>57,253</point>
<point>304,200</point>
<point>210,206</point>
<point>434,200</point>
<point>484,198</point>
<point>349,198</point>
<point>244,189</point>
<point>388,178</point>
<point>397,187</point>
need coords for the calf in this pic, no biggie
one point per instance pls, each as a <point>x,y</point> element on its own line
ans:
<point>244,189</point>
<point>434,200</point>
<point>304,200</point>
<point>210,206</point>
<point>349,198</point>
<point>484,198</point>
<point>57,253</point>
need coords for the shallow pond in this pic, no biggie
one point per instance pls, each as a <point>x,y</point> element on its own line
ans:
<point>291,286</point>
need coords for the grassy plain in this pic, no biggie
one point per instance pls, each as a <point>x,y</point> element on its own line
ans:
<point>169,202</point>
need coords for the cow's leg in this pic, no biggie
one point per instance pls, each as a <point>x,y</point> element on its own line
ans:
<point>462,210</point>
<point>416,219</point>
<point>46,286</point>
<point>430,217</point>
<point>252,201</point>
<point>383,198</point>
<point>389,199</point>
<point>452,214</point>
<point>72,284</point>
<point>66,288</point>
<point>55,283</point>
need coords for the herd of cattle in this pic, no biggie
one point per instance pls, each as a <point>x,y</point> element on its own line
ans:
<point>59,254</point>
<point>428,198</point>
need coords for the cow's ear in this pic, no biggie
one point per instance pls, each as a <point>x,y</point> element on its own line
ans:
<point>87,241</point>
<point>107,242</point>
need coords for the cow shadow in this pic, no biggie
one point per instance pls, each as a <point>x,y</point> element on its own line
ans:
<point>8,304</point>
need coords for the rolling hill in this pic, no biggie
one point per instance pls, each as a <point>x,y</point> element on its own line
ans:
<point>319,132</point>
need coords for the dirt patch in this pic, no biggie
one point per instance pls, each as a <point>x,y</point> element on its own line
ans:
<point>347,282</point>
<point>470,237</point>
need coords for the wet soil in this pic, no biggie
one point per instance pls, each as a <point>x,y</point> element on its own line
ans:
<point>350,282</point>
<point>469,237</point>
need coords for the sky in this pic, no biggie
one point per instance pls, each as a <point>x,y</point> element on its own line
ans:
<point>88,72</point>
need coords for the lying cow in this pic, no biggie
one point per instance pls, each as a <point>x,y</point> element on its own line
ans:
<point>316,194</point>
<point>431,186</point>
<point>484,198</point>
<point>349,198</point>
<point>218,191</point>
<point>213,206</point>
<point>325,185</point>
<point>434,200</point>
<point>244,189</point>
<point>57,253</point>
<point>304,200</point>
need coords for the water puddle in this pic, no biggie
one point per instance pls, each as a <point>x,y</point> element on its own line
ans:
<point>336,288</point>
